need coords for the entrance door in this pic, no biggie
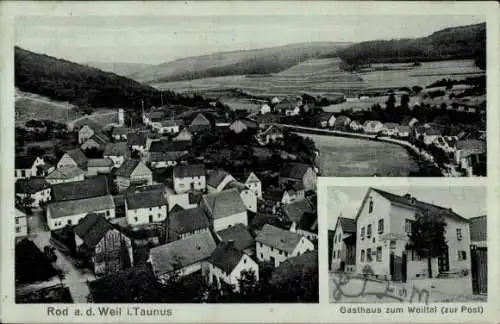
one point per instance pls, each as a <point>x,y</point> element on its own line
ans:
<point>444,261</point>
<point>150,218</point>
<point>273,261</point>
<point>479,270</point>
<point>397,265</point>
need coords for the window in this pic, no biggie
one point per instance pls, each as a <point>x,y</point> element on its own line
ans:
<point>379,254</point>
<point>262,256</point>
<point>369,255</point>
<point>380,226</point>
<point>362,259</point>
<point>150,209</point>
<point>462,256</point>
<point>459,234</point>
<point>18,229</point>
<point>370,207</point>
<point>272,249</point>
<point>369,231</point>
<point>408,226</point>
<point>159,215</point>
<point>244,260</point>
<point>17,221</point>
<point>338,254</point>
<point>286,254</point>
<point>334,254</point>
<point>135,218</point>
<point>107,213</point>
<point>69,221</point>
<point>363,233</point>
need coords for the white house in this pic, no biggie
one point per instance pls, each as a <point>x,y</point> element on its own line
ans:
<point>185,200</point>
<point>225,208</point>
<point>85,133</point>
<point>167,126</point>
<point>21,224</point>
<point>404,131</point>
<point>355,125</point>
<point>28,166</point>
<point>99,166</point>
<point>73,158</point>
<point>254,184</point>
<point>343,245</point>
<point>248,196</point>
<point>271,135</point>
<point>183,223</point>
<point>226,265</point>
<point>120,133</point>
<point>37,189</point>
<point>383,225</point>
<point>275,245</point>
<point>391,129</point>
<point>217,180</point>
<point>133,172</point>
<point>65,174</point>
<point>145,207</point>
<point>265,109</point>
<point>183,136</point>
<point>189,178</point>
<point>430,135</point>
<point>181,257</point>
<point>63,213</point>
<point>373,127</point>
<point>136,141</point>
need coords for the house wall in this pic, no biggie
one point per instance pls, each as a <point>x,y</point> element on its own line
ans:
<point>225,222</point>
<point>73,219</point>
<point>308,235</point>
<point>221,185</point>
<point>303,246</point>
<point>331,121</point>
<point>338,246</point>
<point>39,196</point>
<point>264,253</point>
<point>21,226</point>
<point>249,199</point>
<point>91,171</point>
<point>246,263</point>
<point>141,216</point>
<point>181,200</point>
<point>84,134</point>
<point>182,185</point>
<point>66,160</point>
<point>455,245</point>
<point>107,256</point>
<point>428,139</point>
<point>76,178</point>
<point>418,269</point>
<point>256,187</point>
<point>381,210</point>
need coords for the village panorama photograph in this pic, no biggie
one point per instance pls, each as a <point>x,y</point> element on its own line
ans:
<point>408,244</point>
<point>160,159</point>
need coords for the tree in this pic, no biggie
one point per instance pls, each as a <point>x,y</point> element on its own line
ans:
<point>416,89</point>
<point>427,235</point>
<point>405,100</point>
<point>26,203</point>
<point>248,284</point>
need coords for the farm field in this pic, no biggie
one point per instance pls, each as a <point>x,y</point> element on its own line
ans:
<point>324,77</point>
<point>31,106</point>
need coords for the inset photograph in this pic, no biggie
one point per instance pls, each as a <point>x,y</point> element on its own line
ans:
<point>408,244</point>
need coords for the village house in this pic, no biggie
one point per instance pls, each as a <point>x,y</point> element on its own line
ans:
<point>133,172</point>
<point>35,189</point>
<point>303,174</point>
<point>248,196</point>
<point>189,178</point>
<point>72,158</point>
<point>324,119</point>
<point>183,136</point>
<point>64,174</point>
<point>120,133</point>
<point>265,109</point>
<point>217,180</point>
<point>200,123</point>
<point>185,200</point>
<point>99,166</point>
<point>342,122</point>
<point>137,141</point>
<point>97,141</point>
<point>227,264</point>
<point>303,218</point>
<point>105,247</point>
<point>430,135</point>
<point>182,257</point>
<point>355,125</point>
<point>391,129</point>
<point>275,245</point>
<point>373,127</point>
<point>242,125</point>
<point>225,209</point>
<point>254,184</point>
<point>241,237</point>
<point>272,134</point>
<point>383,225</point>
<point>28,166</point>
<point>168,126</point>
<point>344,245</point>
<point>165,146</point>
<point>183,223</point>
<point>292,192</point>
<point>165,159</point>
<point>86,132</point>
<point>470,152</point>
<point>91,187</point>
<point>145,207</point>
<point>21,224</point>
<point>404,131</point>
<point>117,152</point>
<point>68,213</point>
<point>152,117</point>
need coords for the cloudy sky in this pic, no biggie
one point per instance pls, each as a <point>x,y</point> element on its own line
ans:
<point>158,39</point>
<point>466,201</point>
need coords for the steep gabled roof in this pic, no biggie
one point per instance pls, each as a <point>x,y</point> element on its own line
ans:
<point>31,186</point>
<point>80,206</point>
<point>145,199</point>
<point>66,172</point>
<point>239,234</point>
<point>77,156</point>
<point>91,229</point>
<point>25,162</point>
<point>118,131</point>
<point>88,188</point>
<point>188,220</point>
<point>182,253</point>
<point>295,211</point>
<point>252,178</point>
<point>226,257</point>
<point>216,177</point>
<point>117,149</point>
<point>225,203</point>
<point>200,119</point>
<point>127,168</point>
<point>294,170</point>
<point>348,224</point>
<point>478,229</point>
<point>96,163</point>
<point>278,238</point>
<point>138,139</point>
<point>192,170</point>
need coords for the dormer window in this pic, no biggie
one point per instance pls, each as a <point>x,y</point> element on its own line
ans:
<point>413,201</point>
<point>370,206</point>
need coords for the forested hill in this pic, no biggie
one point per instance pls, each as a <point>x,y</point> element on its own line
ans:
<point>464,42</point>
<point>86,86</point>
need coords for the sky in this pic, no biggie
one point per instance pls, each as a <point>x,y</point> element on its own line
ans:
<point>467,201</point>
<point>159,39</point>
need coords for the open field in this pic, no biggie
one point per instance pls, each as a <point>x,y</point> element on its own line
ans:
<point>324,77</point>
<point>31,106</point>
